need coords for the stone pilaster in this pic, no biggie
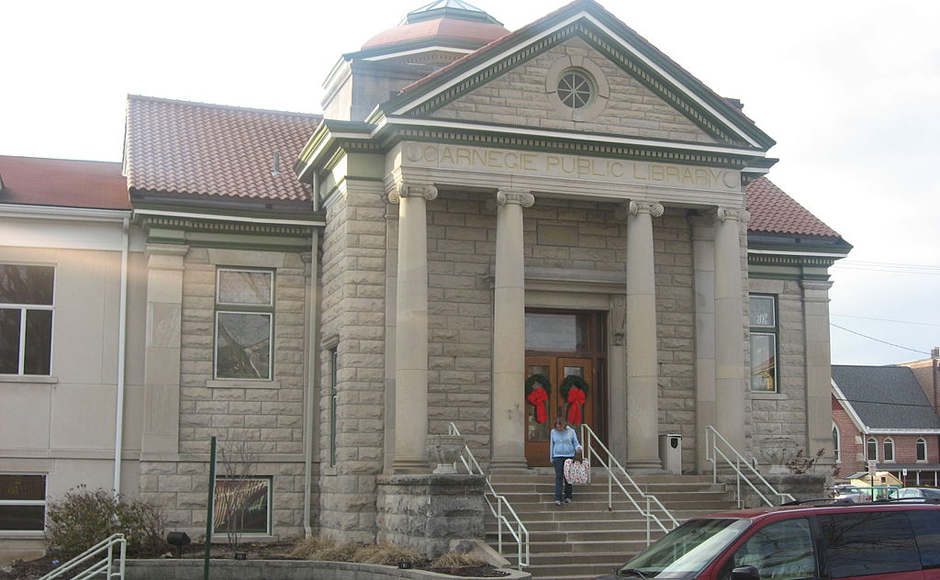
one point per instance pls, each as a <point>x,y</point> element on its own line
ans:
<point>818,368</point>
<point>161,428</point>
<point>509,414</point>
<point>703,259</point>
<point>411,330</point>
<point>730,375</point>
<point>641,339</point>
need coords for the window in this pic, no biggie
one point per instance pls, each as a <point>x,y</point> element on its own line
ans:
<point>921,449</point>
<point>836,443</point>
<point>927,529</point>
<point>26,301</point>
<point>889,449</point>
<point>763,322</point>
<point>782,551</point>
<point>333,366</point>
<point>242,505</point>
<point>859,544</point>
<point>244,324</point>
<point>871,450</point>
<point>22,503</point>
<point>575,89</point>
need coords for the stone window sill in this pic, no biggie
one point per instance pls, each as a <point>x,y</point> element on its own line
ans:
<point>46,380</point>
<point>235,384</point>
<point>769,396</point>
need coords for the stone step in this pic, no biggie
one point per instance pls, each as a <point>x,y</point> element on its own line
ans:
<point>546,494</point>
<point>623,505</point>
<point>535,474</point>
<point>561,525</point>
<point>574,535</point>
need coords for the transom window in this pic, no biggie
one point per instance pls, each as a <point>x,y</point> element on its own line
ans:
<point>575,89</point>
<point>22,503</point>
<point>763,322</point>
<point>26,303</point>
<point>244,324</point>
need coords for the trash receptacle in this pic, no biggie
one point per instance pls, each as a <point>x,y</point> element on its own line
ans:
<point>670,452</point>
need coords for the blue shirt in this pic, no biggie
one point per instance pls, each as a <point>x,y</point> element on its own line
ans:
<point>563,443</point>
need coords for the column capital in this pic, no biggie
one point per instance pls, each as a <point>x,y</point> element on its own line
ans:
<point>733,214</point>
<point>634,208</point>
<point>515,196</point>
<point>428,192</point>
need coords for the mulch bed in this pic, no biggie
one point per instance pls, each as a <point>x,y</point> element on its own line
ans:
<point>33,569</point>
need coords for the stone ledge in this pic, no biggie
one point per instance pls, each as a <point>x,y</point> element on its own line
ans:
<point>283,570</point>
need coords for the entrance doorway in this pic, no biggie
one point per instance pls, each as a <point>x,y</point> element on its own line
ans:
<point>565,370</point>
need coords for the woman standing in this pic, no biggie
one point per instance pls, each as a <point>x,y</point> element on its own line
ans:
<point>564,445</point>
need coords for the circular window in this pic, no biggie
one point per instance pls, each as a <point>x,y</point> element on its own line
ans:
<point>575,89</point>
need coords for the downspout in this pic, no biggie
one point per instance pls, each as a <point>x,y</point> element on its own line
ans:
<point>312,358</point>
<point>122,334</point>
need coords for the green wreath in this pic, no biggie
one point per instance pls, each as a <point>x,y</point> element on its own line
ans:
<point>540,380</point>
<point>572,381</point>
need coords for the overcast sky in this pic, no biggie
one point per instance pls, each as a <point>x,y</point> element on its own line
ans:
<point>849,89</point>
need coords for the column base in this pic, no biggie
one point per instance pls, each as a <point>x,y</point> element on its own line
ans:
<point>508,464</point>
<point>651,465</point>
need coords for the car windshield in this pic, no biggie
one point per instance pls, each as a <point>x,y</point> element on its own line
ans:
<point>685,551</point>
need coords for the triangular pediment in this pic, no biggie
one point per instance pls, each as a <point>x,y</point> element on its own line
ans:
<point>636,91</point>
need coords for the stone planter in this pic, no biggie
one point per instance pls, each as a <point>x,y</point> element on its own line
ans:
<point>445,450</point>
<point>777,451</point>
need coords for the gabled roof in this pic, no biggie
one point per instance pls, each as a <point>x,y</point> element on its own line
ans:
<point>63,183</point>
<point>185,150</point>
<point>672,82</point>
<point>773,211</point>
<point>885,398</point>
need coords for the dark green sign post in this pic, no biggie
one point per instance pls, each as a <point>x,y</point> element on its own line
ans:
<point>205,564</point>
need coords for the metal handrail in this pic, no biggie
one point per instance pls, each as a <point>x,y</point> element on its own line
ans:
<point>514,526</point>
<point>104,565</point>
<point>712,451</point>
<point>613,468</point>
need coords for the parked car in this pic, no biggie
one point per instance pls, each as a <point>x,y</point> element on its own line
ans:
<point>915,493</point>
<point>883,541</point>
<point>851,493</point>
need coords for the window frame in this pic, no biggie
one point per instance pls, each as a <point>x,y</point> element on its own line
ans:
<point>24,309</point>
<point>241,308</point>
<point>871,443</point>
<point>27,502</point>
<point>334,362</point>
<point>837,442</point>
<point>270,505</point>
<point>921,443</point>
<point>773,331</point>
<point>887,444</point>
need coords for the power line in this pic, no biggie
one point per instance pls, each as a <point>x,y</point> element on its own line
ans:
<point>878,339</point>
<point>886,320</point>
<point>889,267</point>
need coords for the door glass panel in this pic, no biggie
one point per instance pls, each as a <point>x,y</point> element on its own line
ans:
<point>538,431</point>
<point>573,401</point>
<point>556,332</point>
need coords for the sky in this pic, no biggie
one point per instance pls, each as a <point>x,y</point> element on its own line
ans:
<point>849,89</point>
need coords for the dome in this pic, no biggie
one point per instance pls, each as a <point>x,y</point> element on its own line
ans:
<point>451,23</point>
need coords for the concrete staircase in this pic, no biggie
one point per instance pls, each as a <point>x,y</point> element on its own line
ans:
<point>584,539</point>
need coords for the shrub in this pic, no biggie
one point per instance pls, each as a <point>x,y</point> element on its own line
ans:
<point>82,518</point>
<point>456,560</point>
<point>386,553</point>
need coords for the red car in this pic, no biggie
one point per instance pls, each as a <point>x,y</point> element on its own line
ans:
<point>878,541</point>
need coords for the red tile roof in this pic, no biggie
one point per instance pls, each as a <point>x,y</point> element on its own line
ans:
<point>773,211</point>
<point>62,182</point>
<point>193,149</point>
<point>441,29</point>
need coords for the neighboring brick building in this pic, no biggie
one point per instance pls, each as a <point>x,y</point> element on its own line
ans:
<point>474,207</point>
<point>881,414</point>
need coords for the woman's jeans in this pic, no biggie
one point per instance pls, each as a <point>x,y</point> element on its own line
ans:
<point>559,463</point>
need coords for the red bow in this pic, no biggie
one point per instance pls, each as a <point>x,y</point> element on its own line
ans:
<point>537,399</point>
<point>576,398</point>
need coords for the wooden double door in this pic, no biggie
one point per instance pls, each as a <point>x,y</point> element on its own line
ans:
<point>555,369</point>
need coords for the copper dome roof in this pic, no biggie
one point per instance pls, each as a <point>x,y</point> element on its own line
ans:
<point>451,23</point>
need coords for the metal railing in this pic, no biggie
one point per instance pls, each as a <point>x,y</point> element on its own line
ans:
<point>616,472</point>
<point>741,467</point>
<point>106,565</point>
<point>499,507</point>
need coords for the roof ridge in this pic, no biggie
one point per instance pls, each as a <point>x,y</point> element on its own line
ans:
<point>131,96</point>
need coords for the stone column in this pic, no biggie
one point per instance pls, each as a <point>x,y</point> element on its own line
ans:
<point>509,416</point>
<point>818,368</point>
<point>703,258</point>
<point>641,339</point>
<point>411,329</point>
<point>730,376</point>
<point>160,438</point>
